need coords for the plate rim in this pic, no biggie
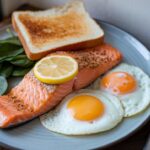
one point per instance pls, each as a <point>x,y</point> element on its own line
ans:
<point>145,49</point>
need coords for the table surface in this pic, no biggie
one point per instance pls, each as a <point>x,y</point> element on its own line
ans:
<point>136,141</point>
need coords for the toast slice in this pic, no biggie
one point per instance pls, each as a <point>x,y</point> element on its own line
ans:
<point>68,27</point>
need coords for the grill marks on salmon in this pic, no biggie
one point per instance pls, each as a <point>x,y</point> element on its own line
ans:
<point>31,98</point>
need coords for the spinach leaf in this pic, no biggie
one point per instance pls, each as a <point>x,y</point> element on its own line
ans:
<point>18,72</point>
<point>9,50</point>
<point>22,61</point>
<point>11,40</point>
<point>3,85</point>
<point>6,70</point>
<point>12,58</point>
<point>0,65</point>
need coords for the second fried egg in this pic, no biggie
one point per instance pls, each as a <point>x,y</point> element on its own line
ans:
<point>130,84</point>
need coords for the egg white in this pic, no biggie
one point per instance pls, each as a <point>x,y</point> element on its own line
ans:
<point>60,119</point>
<point>138,100</point>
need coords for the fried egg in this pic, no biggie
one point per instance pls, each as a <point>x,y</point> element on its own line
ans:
<point>84,112</point>
<point>130,84</point>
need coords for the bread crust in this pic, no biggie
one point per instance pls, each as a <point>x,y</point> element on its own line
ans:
<point>76,46</point>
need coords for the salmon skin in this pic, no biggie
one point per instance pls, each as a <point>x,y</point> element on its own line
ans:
<point>31,98</point>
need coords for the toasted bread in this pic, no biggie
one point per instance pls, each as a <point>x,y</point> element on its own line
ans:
<point>62,28</point>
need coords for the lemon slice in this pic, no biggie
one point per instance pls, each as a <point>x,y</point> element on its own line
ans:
<point>56,69</point>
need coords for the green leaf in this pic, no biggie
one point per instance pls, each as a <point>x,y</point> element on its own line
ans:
<point>6,70</point>
<point>3,85</point>
<point>9,50</point>
<point>8,59</point>
<point>22,56</point>
<point>11,40</point>
<point>0,65</point>
<point>18,72</point>
<point>11,57</point>
<point>22,61</point>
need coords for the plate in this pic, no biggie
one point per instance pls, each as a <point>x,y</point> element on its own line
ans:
<point>33,135</point>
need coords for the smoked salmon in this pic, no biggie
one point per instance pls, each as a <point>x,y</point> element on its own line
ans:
<point>31,98</point>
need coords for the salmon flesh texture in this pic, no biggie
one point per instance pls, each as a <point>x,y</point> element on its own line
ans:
<point>31,98</point>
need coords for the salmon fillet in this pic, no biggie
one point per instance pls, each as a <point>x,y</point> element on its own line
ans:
<point>31,98</point>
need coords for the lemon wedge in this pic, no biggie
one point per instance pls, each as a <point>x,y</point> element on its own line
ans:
<point>56,69</point>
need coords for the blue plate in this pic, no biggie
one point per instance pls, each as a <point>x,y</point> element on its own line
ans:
<point>33,135</point>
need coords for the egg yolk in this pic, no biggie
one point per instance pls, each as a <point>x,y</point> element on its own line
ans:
<point>86,107</point>
<point>119,83</point>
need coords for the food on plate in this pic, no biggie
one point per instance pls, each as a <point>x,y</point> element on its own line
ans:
<point>3,85</point>
<point>62,28</point>
<point>20,72</point>
<point>84,112</point>
<point>56,69</point>
<point>130,84</point>
<point>77,56</point>
<point>31,98</point>
<point>13,61</point>
<point>6,69</point>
